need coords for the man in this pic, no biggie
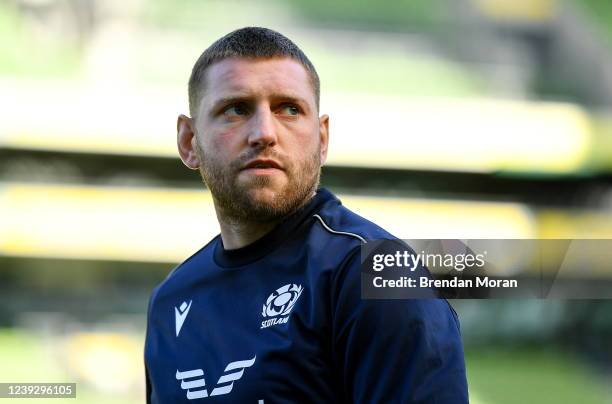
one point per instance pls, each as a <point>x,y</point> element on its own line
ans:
<point>270,310</point>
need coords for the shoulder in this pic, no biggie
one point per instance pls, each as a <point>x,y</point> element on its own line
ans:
<point>195,259</point>
<point>337,236</point>
<point>207,249</point>
<point>338,219</point>
<point>346,233</point>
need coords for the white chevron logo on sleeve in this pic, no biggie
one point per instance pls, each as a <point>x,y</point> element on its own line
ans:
<point>236,370</point>
<point>193,380</point>
<point>180,314</point>
<point>192,386</point>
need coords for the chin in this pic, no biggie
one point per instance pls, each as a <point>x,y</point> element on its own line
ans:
<point>263,186</point>
<point>264,193</point>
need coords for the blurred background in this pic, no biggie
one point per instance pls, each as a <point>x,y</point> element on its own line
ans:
<point>449,119</point>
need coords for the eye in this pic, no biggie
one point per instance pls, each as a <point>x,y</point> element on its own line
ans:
<point>289,110</point>
<point>235,110</point>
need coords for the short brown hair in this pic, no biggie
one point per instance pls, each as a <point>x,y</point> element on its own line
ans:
<point>248,42</point>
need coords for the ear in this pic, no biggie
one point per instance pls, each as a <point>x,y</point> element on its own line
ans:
<point>185,139</point>
<point>324,136</point>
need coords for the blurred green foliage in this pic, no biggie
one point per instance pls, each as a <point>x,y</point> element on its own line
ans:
<point>394,73</point>
<point>29,52</point>
<point>530,375</point>
<point>601,12</point>
<point>27,358</point>
<point>381,14</point>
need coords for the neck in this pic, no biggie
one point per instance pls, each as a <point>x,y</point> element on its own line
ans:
<point>237,233</point>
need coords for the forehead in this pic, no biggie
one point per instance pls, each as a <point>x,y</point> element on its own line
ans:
<point>257,77</point>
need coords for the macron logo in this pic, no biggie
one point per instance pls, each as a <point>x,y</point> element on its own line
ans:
<point>180,314</point>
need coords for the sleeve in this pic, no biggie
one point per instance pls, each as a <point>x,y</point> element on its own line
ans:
<point>395,351</point>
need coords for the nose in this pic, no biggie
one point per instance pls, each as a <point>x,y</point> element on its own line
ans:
<point>262,132</point>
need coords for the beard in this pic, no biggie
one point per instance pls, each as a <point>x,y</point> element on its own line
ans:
<point>236,200</point>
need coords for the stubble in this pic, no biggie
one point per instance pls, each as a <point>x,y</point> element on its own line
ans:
<point>235,201</point>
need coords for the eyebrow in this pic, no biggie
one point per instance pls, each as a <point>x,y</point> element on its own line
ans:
<point>228,100</point>
<point>236,98</point>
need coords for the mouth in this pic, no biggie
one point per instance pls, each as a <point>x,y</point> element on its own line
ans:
<point>262,165</point>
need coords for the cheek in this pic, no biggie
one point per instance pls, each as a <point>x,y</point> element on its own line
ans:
<point>306,144</point>
<point>304,134</point>
<point>223,143</point>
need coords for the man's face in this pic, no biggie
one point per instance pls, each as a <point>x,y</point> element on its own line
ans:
<point>258,137</point>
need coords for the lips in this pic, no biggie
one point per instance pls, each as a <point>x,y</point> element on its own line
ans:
<point>262,163</point>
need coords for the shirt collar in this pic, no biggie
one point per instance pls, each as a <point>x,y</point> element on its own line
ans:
<point>270,241</point>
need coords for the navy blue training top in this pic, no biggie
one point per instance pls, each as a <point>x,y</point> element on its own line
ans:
<point>282,321</point>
